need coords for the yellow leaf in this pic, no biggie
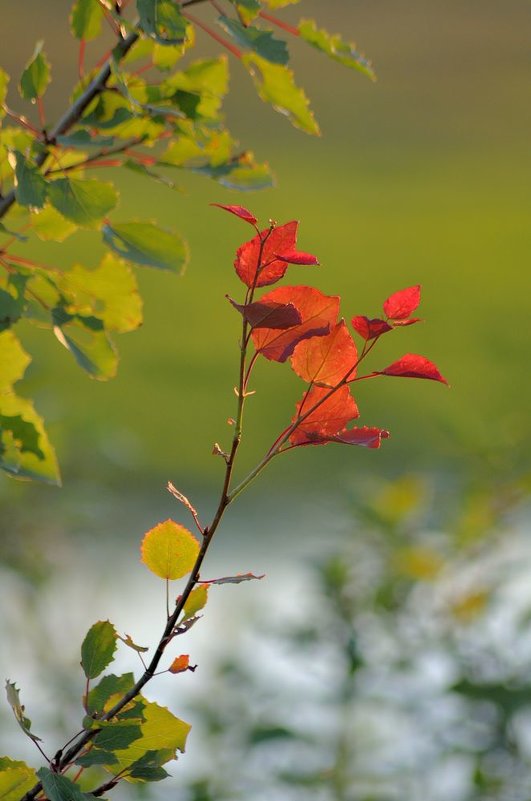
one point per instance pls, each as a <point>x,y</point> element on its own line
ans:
<point>169,550</point>
<point>196,601</point>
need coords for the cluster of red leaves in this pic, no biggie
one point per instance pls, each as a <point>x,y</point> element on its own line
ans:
<point>301,324</point>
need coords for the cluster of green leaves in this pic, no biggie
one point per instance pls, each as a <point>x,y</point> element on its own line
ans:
<point>143,108</point>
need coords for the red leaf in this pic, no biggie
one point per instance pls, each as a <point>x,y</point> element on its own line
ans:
<point>402,323</point>
<point>328,419</point>
<point>414,366</point>
<point>370,329</point>
<point>272,267</point>
<point>239,211</point>
<point>318,312</point>
<point>325,360</point>
<point>298,257</point>
<point>402,303</point>
<point>366,437</point>
<point>180,664</point>
<point>269,314</point>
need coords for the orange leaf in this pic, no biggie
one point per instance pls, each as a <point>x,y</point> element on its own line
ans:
<point>180,664</point>
<point>325,360</point>
<point>328,419</point>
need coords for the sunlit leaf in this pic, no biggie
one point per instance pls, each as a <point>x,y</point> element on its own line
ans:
<point>86,19</point>
<point>334,46</point>
<point>239,211</point>
<point>4,83</point>
<point>370,329</point>
<point>147,244</point>
<point>196,601</point>
<point>247,9</point>
<point>259,262</point>
<point>366,437</point>
<point>162,20</point>
<point>49,225</point>
<point>13,698</point>
<point>280,3</point>
<point>92,349</point>
<point>31,188</point>
<point>97,649</point>
<point>325,360</point>
<point>275,84</point>
<point>262,42</point>
<point>300,257</point>
<point>108,292</point>
<point>16,779</point>
<point>12,298</point>
<point>331,415</point>
<point>400,305</point>
<point>36,75</point>
<point>199,89</point>
<point>318,312</point>
<point>414,366</point>
<point>169,550</point>
<point>83,202</point>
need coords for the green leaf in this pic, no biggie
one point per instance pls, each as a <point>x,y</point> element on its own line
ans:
<point>4,82</point>
<point>275,85</point>
<point>161,732</point>
<point>86,19</point>
<point>101,698</point>
<point>332,44</point>
<point>25,450</point>
<point>117,736</point>
<point>148,768</point>
<point>30,187</point>
<point>280,3</point>
<point>145,243</point>
<point>83,139</point>
<point>199,90</point>
<point>96,757</point>
<point>18,710</point>
<point>97,650</point>
<point>108,292</point>
<point>49,225</point>
<point>12,300</point>
<point>60,788</point>
<point>240,174</point>
<point>16,779</point>
<point>92,349</point>
<point>196,601</point>
<point>36,75</point>
<point>251,38</point>
<point>82,202</point>
<point>247,9</point>
<point>162,20</point>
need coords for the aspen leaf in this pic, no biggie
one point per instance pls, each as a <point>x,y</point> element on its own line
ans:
<point>239,211</point>
<point>276,85</point>
<point>13,698</point>
<point>101,697</point>
<point>400,305</point>
<point>4,83</point>
<point>36,75</point>
<point>251,38</point>
<point>269,314</point>
<point>127,640</point>
<point>260,264</point>
<point>147,244</point>
<point>414,366</point>
<point>334,47</point>
<point>86,19</point>
<point>370,329</point>
<point>326,359</point>
<point>318,312</point>
<point>196,601</point>
<point>50,225</point>
<point>180,664</point>
<point>31,188</point>
<point>328,419</point>
<point>162,20</point>
<point>237,579</point>
<point>84,202</point>
<point>16,779</point>
<point>58,787</point>
<point>169,550</point>
<point>98,647</point>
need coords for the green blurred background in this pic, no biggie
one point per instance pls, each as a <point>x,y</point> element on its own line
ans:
<point>422,177</point>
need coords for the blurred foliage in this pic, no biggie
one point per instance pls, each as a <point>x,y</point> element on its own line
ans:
<point>392,681</point>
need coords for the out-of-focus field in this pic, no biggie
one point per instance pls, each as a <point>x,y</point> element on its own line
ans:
<point>422,177</point>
